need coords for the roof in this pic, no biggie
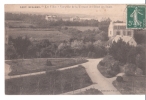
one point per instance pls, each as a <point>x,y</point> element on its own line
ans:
<point>117,37</point>
<point>124,38</point>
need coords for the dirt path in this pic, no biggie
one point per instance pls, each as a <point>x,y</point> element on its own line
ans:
<point>7,71</point>
<point>103,84</point>
<point>100,82</point>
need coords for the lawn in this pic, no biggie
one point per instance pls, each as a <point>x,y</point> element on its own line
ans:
<point>131,85</point>
<point>84,28</point>
<point>53,36</point>
<point>39,64</point>
<point>53,82</point>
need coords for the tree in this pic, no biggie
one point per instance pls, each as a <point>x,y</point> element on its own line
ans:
<point>65,50</point>
<point>141,57</point>
<point>10,52</point>
<point>77,46</point>
<point>21,45</point>
<point>119,50</point>
<point>32,51</point>
<point>46,52</point>
<point>140,36</point>
<point>131,55</point>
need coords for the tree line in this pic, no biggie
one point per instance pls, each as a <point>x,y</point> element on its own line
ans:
<point>126,54</point>
<point>22,47</point>
<point>39,21</point>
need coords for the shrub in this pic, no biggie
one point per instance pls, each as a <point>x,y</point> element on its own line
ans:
<point>115,67</point>
<point>111,73</point>
<point>130,69</point>
<point>119,79</point>
<point>138,71</point>
<point>48,63</point>
<point>102,63</point>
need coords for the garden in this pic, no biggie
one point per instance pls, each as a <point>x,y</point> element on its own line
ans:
<point>52,83</point>
<point>41,64</point>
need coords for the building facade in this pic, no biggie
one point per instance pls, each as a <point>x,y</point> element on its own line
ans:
<point>119,29</point>
<point>51,18</point>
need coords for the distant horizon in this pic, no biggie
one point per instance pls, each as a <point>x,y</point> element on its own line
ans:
<point>99,12</point>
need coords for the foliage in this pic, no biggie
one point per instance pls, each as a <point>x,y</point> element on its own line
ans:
<point>131,85</point>
<point>10,52</point>
<point>90,91</point>
<point>48,63</point>
<point>21,45</point>
<point>119,50</point>
<point>140,36</point>
<point>130,69</point>
<point>32,51</point>
<point>53,82</point>
<point>37,65</point>
<point>102,63</point>
<point>109,67</point>
<point>119,79</point>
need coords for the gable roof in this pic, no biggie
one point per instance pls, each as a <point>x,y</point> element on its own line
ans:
<point>118,37</point>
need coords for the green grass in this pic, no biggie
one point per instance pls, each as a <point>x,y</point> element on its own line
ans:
<point>53,36</point>
<point>91,91</point>
<point>131,85</point>
<point>36,65</point>
<point>50,83</point>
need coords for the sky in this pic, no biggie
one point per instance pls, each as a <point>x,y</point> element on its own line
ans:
<point>115,12</point>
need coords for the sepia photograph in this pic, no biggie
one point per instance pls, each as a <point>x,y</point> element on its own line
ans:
<point>75,49</point>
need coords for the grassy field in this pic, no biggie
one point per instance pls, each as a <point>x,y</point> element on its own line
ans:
<point>55,82</point>
<point>36,65</point>
<point>91,91</point>
<point>131,85</point>
<point>84,28</point>
<point>53,36</point>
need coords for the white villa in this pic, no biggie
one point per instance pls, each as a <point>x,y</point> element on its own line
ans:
<point>51,18</point>
<point>119,29</point>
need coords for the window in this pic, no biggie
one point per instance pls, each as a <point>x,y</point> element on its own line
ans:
<point>118,32</point>
<point>124,33</point>
<point>129,33</point>
<point>115,27</point>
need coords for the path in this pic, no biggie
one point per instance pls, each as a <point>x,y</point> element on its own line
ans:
<point>103,83</point>
<point>100,82</point>
<point>7,71</point>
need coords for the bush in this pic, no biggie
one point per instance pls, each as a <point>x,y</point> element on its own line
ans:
<point>130,69</point>
<point>138,71</point>
<point>102,63</point>
<point>116,67</point>
<point>119,79</point>
<point>48,63</point>
<point>111,73</point>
